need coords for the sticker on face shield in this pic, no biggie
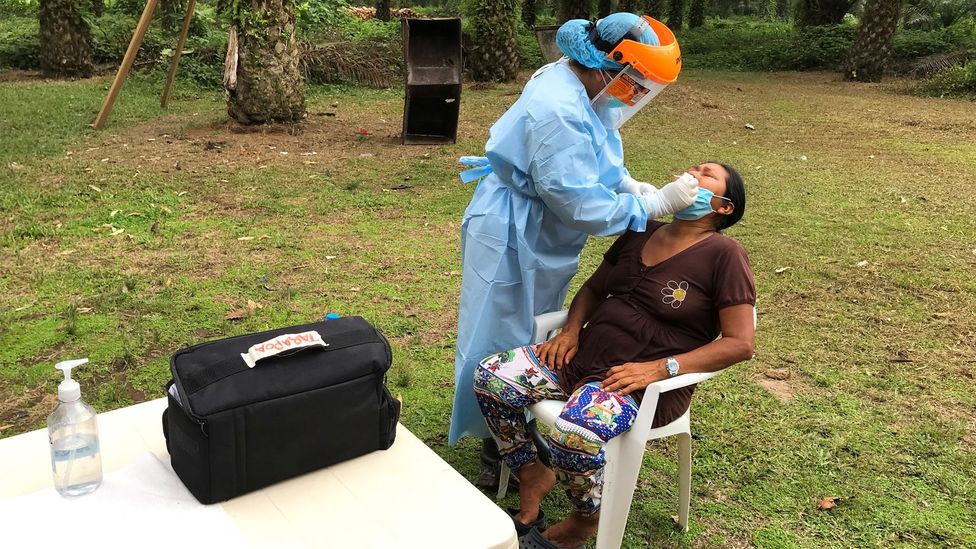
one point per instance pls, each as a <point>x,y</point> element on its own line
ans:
<point>627,90</point>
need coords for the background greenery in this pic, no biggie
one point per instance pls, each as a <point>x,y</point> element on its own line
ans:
<point>127,244</point>
<point>737,42</point>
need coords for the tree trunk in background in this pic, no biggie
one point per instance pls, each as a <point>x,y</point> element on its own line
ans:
<point>676,14</point>
<point>383,10</point>
<point>604,8</point>
<point>874,44</point>
<point>529,13</point>
<point>655,8</point>
<point>65,39</point>
<point>98,7</point>
<point>267,84</point>
<point>494,51</point>
<point>724,8</point>
<point>696,14</point>
<point>575,9</point>
<point>811,13</point>
<point>782,9</point>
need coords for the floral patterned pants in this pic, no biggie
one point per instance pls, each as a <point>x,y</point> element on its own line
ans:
<point>506,383</point>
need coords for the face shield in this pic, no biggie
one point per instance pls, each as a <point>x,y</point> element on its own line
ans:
<point>647,71</point>
<point>623,96</point>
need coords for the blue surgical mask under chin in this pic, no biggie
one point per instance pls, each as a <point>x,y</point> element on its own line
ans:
<point>701,207</point>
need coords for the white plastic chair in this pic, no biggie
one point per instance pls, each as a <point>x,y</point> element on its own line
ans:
<point>624,453</point>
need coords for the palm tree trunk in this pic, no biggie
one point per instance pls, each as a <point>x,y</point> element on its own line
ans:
<point>696,14</point>
<point>655,8</point>
<point>65,39</point>
<point>529,13</point>
<point>494,51</point>
<point>266,84</point>
<point>811,13</point>
<point>676,14</point>
<point>575,9</point>
<point>782,9</point>
<point>871,50</point>
<point>383,10</point>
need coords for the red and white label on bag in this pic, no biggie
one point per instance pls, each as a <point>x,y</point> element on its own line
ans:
<point>282,344</point>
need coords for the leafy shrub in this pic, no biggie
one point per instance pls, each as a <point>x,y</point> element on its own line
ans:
<point>744,44</point>
<point>111,34</point>
<point>530,54</point>
<point>20,45</point>
<point>959,81</point>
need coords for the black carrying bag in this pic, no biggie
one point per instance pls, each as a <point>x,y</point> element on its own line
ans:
<point>231,429</point>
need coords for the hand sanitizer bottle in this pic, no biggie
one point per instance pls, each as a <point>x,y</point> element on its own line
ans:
<point>73,433</point>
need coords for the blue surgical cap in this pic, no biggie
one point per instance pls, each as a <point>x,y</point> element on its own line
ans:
<point>573,39</point>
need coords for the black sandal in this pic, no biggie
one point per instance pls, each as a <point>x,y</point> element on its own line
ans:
<point>521,528</point>
<point>535,540</point>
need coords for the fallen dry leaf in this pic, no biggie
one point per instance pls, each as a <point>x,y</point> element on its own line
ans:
<point>28,306</point>
<point>114,213</point>
<point>117,232</point>
<point>863,263</point>
<point>252,305</point>
<point>237,315</point>
<point>94,188</point>
<point>330,257</point>
<point>244,238</point>
<point>782,270</point>
<point>181,193</point>
<point>827,503</point>
<point>85,310</point>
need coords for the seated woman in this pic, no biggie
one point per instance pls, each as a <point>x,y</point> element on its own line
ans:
<point>652,310</point>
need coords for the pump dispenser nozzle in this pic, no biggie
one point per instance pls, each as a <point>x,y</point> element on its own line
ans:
<point>69,390</point>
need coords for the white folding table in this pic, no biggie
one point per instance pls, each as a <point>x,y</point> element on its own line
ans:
<point>404,497</point>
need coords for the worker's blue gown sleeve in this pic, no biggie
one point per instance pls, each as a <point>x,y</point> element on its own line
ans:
<point>555,170</point>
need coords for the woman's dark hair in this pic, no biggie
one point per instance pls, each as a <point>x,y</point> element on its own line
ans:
<point>735,191</point>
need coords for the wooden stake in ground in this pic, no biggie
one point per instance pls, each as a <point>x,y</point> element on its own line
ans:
<point>178,53</point>
<point>130,57</point>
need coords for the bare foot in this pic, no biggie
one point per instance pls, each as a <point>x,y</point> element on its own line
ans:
<point>535,481</point>
<point>573,530</point>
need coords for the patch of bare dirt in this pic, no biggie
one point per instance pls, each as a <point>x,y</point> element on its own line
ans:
<point>781,389</point>
<point>14,75</point>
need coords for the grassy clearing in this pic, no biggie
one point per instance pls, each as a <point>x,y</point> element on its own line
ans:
<point>873,320</point>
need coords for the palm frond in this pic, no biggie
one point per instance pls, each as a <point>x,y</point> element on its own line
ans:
<point>931,64</point>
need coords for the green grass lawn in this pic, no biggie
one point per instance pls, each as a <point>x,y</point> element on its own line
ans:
<point>127,244</point>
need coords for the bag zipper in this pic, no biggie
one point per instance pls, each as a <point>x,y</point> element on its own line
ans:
<point>185,401</point>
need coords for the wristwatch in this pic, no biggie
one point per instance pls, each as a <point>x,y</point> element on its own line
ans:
<point>672,365</point>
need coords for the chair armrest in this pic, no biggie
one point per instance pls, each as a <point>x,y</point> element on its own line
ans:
<point>547,323</point>
<point>680,381</point>
<point>648,407</point>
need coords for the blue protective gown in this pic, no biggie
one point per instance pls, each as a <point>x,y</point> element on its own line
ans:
<point>554,171</point>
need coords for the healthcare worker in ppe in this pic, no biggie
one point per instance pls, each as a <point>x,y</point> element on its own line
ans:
<point>553,174</point>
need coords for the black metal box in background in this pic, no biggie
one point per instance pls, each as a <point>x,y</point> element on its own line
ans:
<point>432,51</point>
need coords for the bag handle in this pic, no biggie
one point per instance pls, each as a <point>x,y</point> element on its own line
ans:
<point>283,344</point>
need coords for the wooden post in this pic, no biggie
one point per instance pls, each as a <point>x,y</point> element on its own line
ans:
<point>130,57</point>
<point>177,53</point>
